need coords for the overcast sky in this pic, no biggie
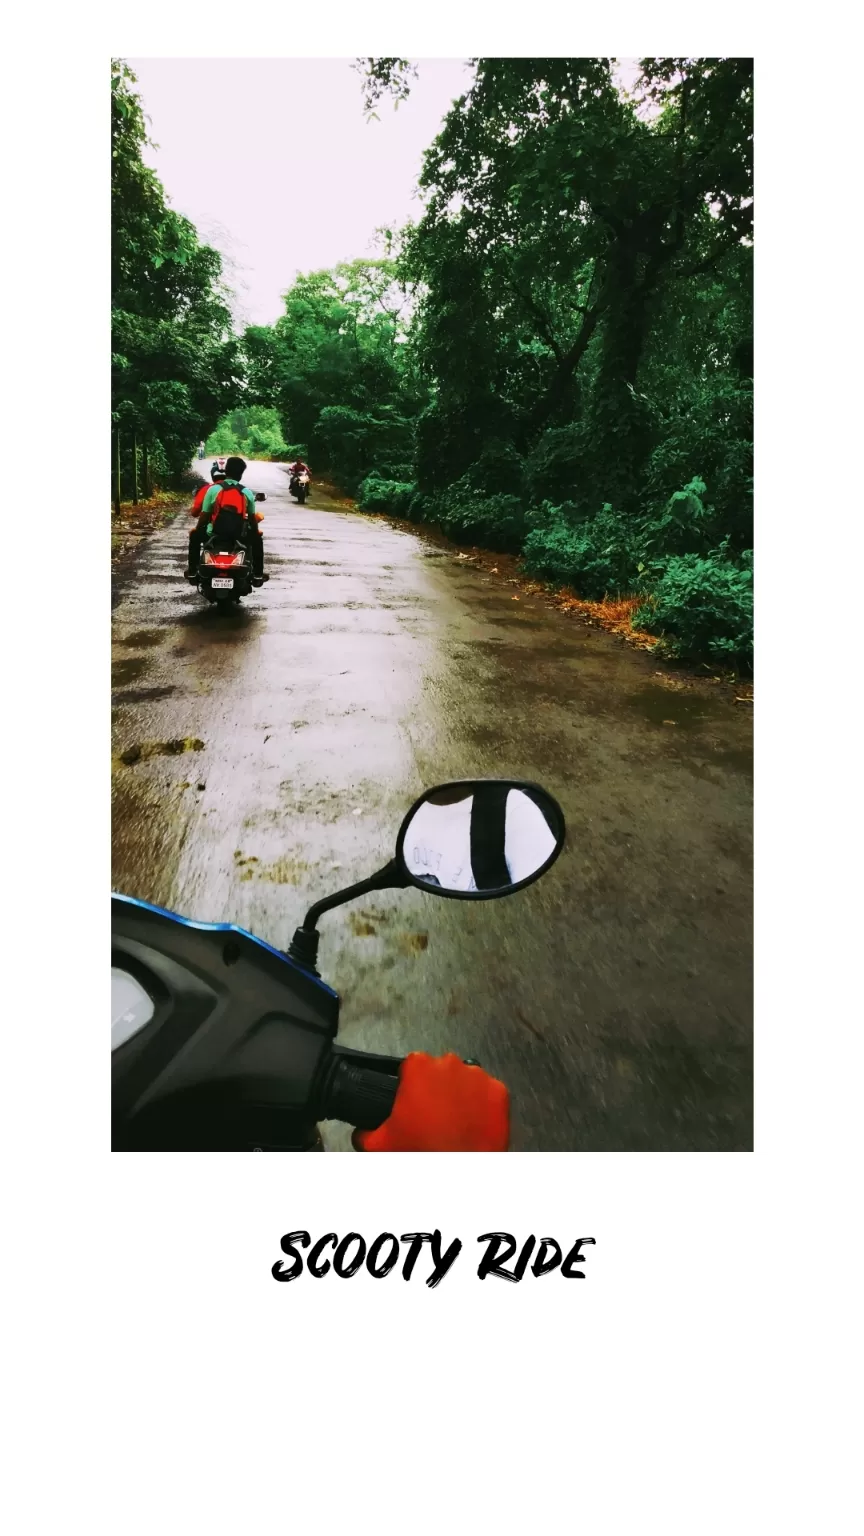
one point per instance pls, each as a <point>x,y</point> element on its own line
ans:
<point>275,164</point>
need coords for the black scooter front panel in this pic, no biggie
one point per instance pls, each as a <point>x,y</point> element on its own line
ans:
<point>238,1040</point>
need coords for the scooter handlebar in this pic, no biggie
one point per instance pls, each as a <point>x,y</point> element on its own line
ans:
<point>360,1095</point>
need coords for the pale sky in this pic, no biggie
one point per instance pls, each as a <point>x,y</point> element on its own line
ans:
<point>274,163</point>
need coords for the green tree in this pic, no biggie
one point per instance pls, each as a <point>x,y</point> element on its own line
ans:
<point>253,431</point>
<point>175,363</point>
<point>339,368</point>
<point>556,216</point>
<point>582,277</point>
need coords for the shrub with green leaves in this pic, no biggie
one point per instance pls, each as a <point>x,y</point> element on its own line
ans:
<point>498,522</point>
<point>685,526</point>
<point>702,607</point>
<point>378,495</point>
<point>711,428</point>
<point>596,556</point>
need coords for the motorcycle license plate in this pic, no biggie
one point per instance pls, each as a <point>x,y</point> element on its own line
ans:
<point>222,583</point>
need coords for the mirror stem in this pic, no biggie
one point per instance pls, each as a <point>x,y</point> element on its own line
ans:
<point>304,945</point>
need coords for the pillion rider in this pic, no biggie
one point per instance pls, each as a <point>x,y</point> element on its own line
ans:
<point>227,494</point>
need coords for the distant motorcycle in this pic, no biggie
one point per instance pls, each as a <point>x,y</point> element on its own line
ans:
<point>299,486</point>
<point>219,1042</point>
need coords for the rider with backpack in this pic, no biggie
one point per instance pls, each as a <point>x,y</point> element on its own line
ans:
<point>232,501</point>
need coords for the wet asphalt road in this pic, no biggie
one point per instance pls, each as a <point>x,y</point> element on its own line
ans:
<point>613,997</point>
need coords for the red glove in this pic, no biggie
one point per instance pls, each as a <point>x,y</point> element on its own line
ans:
<point>442,1105</point>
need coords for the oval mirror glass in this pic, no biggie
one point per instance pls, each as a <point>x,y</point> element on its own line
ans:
<point>480,838</point>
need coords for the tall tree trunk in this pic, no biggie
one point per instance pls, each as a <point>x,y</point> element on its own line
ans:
<point>619,431</point>
<point>135,470</point>
<point>556,392</point>
<point>117,476</point>
<point>145,471</point>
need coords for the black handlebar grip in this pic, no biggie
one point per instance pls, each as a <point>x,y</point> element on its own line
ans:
<point>358,1095</point>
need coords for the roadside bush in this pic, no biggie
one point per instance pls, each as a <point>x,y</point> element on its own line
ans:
<point>498,522</point>
<point>702,607</point>
<point>684,527</point>
<point>714,430</point>
<point>596,556</point>
<point>392,469</point>
<point>378,495</point>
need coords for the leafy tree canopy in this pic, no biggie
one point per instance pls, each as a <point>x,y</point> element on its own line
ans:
<point>175,363</point>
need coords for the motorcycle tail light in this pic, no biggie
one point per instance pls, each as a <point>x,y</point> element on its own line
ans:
<point>237,558</point>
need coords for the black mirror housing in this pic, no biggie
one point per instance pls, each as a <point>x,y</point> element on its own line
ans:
<point>480,839</point>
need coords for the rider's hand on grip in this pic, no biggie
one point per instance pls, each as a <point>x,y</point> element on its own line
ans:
<point>442,1105</point>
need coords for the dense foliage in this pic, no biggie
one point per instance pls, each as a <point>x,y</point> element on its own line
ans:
<point>583,327</point>
<point>175,362</point>
<point>254,432</point>
<point>339,369</point>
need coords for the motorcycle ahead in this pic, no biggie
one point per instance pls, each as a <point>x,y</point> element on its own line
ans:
<point>299,487</point>
<point>219,1042</point>
<point>224,572</point>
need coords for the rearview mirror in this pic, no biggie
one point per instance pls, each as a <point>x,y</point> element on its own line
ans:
<point>477,839</point>
<point>473,840</point>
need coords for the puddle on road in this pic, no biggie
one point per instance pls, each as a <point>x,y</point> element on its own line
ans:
<point>739,760</point>
<point>208,627</point>
<point>142,639</point>
<point>145,695</point>
<point>128,671</point>
<point>522,619</point>
<point>314,607</point>
<point>663,706</point>
<point>520,655</point>
<point>333,565</point>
